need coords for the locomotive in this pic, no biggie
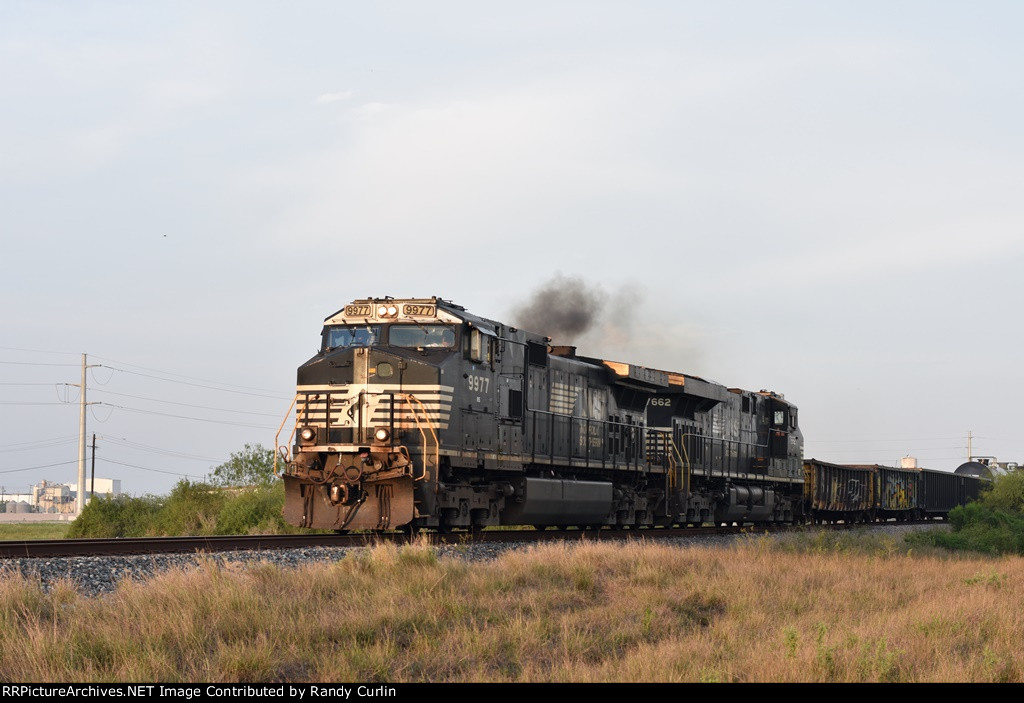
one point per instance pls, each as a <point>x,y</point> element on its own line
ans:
<point>416,413</point>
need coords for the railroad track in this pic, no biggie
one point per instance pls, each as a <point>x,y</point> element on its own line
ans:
<point>42,548</point>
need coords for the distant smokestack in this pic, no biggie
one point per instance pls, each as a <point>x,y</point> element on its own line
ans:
<point>564,308</point>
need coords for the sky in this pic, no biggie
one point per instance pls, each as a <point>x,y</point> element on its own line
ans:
<point>822,199</point>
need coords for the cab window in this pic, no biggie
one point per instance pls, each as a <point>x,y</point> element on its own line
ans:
<point>479,346</point>
<point>422,336</point>
<point>343,337</point>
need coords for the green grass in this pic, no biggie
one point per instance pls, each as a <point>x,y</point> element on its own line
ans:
<point>33,530</point>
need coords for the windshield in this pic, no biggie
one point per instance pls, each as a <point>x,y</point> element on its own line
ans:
<point>353,336</point>
<point>422,336</point>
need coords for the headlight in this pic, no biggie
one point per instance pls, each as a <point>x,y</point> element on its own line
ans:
<point>307,434</point>
<point>381,434</point>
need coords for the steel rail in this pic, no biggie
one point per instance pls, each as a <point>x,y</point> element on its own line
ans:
<point>42,548</point>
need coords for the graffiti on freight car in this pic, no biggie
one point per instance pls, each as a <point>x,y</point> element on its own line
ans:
<point>845,495</point>
<point>854,492</point>
<point>900,492</point>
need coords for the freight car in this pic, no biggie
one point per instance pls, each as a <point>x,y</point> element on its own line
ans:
<point>417,413</point>
<point>870,492</point>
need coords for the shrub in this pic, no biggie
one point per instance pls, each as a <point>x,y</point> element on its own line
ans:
<point>254,511</point>
<point>191,509</point>
<point>979,528</point>
<point>121,516</point>
<point>1007,492</point>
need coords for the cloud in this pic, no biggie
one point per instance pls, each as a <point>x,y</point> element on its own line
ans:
<point>328,98</point>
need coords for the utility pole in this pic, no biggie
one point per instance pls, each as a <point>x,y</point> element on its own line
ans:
<point>80,495</point>
<point>970,452</point>
<point>92,484</point>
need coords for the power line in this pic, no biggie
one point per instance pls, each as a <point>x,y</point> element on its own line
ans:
<point>191,378</point>
<point>32,468</point>
<point>33,363</point>
<point>186,417</point>
<point>38,441</point>
<point>20,402</point>
<point>40,445</point>
<point>156,450</point>
<point>188,405</point>
<point>199,385</point>
<point>38,351</point>
<point>144,468</point>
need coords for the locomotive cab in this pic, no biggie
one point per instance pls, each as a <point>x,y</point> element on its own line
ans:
<point>369,409</point>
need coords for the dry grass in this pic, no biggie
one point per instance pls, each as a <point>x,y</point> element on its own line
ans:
<point>593,613</point>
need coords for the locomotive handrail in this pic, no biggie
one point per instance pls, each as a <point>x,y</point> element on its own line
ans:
<point>686,466</point>
<point>664,444</point>
<point>722,441</point>
<point>665,438</point>
<point>277,443</point>
<point>430,426</point>
<point>632,459</point>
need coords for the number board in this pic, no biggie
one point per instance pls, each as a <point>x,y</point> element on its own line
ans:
<point>358,310</point>
<point>419,310</point>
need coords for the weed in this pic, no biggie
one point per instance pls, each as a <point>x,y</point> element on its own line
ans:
<point>789,637</point>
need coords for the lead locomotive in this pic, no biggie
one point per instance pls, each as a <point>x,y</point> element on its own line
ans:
<point>417,413</point>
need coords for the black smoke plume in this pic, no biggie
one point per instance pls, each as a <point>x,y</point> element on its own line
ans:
<point>565,308</point>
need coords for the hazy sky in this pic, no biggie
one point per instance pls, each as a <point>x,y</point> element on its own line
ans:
<point>821,198</point>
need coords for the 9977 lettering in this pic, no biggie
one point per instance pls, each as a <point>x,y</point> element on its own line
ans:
<point>421,310</point>
<point>479,384</point>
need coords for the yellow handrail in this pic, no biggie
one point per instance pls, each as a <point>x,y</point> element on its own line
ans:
<point>430,426</point>
<point>277,444</point>
<point>684,459</point>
